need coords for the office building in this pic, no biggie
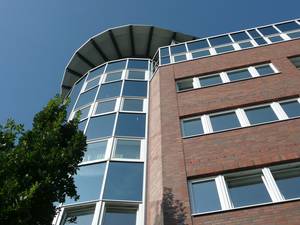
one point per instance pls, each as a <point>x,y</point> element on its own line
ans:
<point>187,130</point>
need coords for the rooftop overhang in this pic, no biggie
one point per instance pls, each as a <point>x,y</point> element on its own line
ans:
<point>135,41</point>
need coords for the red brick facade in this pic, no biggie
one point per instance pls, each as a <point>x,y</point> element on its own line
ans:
<point>172,160</point>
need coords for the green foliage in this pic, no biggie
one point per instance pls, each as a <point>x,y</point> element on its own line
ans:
<point>37,166</point>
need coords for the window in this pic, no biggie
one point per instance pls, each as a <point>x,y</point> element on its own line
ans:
<point>224,121</point>
<point>197,45</point>
<point>268,30</point>
<point>178,58</point>
<point>127,149</point>
<point>113,76</point>
<point>82,124</point>
<point>261,115</point>
<point>199,54</point>
<point>247,190</point>
<point>165,60</point>
<point>288,181</point>
<point>210,80</point>
<point>240,36</point>
<point>137,64</point>
<point>275,39</point>
<point>292,108</point>
<point>131,125</point>
<point>95,151</point>
<point>100,126</point>
<point>110,90</point>
<point>105,107</point>
<point>124,181</point>
<point>239,75</point>
<point>119,65</point>
<point>289,26</point>
<point>164,51</point>
<point>116,215</point>
<point>92,83</point>
<point>74,94</point>
<point>82,217</point>
<point>88,181</point>
<point>221,40</point>
<point>96,72</point>
<point>295,61</point>
<point>178,49</point>
<point>223,49</point>
<point>264,70</point>
<point>294,35</point>
<point>246,44</point>
<point>84,112</point>
<point>186,84</point>
<point>86,98</point>
<point>136,75</point>
<point>135,88</point>
<point>205,196</point>
<point>192,127</point>
<point>130,104</point>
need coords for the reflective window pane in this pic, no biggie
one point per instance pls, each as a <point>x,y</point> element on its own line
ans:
<point>261,115</point>
<point>246,44</point>
<point>127,149</point>
<point>104,107</point>
<point>86,98</point>
<point>295,61</point>
<point>210,81</point>
<point>185,84</point>
<point>294,35</point>
<point>137,64</point>
<point>84,112</point>
<point>113,76</point>
<point>178,58</point>
<point>133,105</point>
<point>247,190</point>
<point>268,30</point>
<point>288,26</point>
<point>197,45</point>
<point>205,197</point>
<point>110,90</point>
<point>131,125</point>
<point>100,126</point>
<point>221,40</point>
<point>119,216</point>
<point>164,51</point>
<point>288,182</point>
<point>136,75</point>
<point>82,124</point>
<point>95,151</point>
<point>96,72</point>
<point>80,218</point>
<point>92,83</point>
<point>275,39</point>
<point>254,33</point>
<point>239,75</point>
<point>240,36</point>
<point>135,88</point>
<point>124,181</point>
<point>224,49</point>
<point>260,41</point>
<point>178,49</point>
<point>74,94</point>
<point>292,109</point>
<point>119,65</point>
<point>200,54</point>
<point>88,181</point>
<point>192,127</point>
<point>165,60</point>
<point>264,70</point>
<point>224,121</point>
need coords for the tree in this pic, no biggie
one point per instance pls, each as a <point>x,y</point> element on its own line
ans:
<point>37,166</point>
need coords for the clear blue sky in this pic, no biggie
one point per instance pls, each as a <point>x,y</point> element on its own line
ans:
<point>37,38</point>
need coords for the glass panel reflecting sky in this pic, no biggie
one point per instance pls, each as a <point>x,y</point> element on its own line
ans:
<point>133,105</point>
<point>209,81</point>
<point>239,75</point>
<point>249,190</point>
<point>205,197</point>
<point>119,65</point>
<point>198,45</point>
<point>224,121</point>
<point>240,36</point>
<point>129,149</point>
<point>104,107</point>
<point>124,181</point>
<point>292,109</point>
<point>96,72</point>
<point>164,52</point>
<point>110,90</point>
<point>264,70</point>
<point>224,49</point>
<point>136,75</point>
<point>82,124</point>
<point>200,54</point>
<point>121,216</point>
<point>86,97</point>
<point>113,76</point>
<point>100,126</point>
<point>131,125</point>
<point>74,94</point>
<point>192,127</point>
<point>185,84</point>
<point>135,88</point>
<point>178,49</point>
<point>261,115</point>
<point>88,182</point>
<point>95,151</point>
<point>83,112</point>
<point>81,218</point>
<point>137,64</point>
<point>92,83</point>
<point>221,40</point>
<point>288,26</point>
<point>268,30</point>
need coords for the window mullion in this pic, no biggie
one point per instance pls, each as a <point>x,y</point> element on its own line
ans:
<point>224,77</point>
<point>242,117</point>
<point>280,113</point>
<point>253,71</point>
<point>196,82</point>
<point>223,193</point>
<point>207,127</point>
<point>97,214</point>
<point>271,185</point>
<point>60,217</point>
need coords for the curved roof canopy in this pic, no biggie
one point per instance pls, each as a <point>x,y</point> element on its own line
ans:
<point>136,41</point>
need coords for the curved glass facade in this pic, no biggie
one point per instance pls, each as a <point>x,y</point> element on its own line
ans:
<point>113,103</point>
